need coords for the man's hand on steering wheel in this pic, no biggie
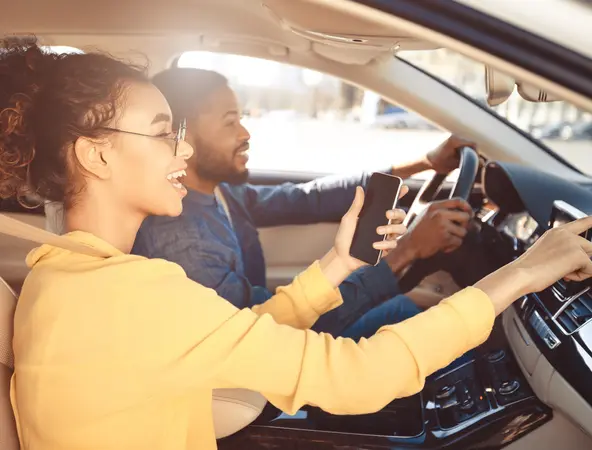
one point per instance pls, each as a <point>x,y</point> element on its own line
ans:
<point>445,158</point>
<point>440,228</point>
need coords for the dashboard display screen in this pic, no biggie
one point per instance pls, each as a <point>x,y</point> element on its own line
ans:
<point>522,226</point>
<point>562,214</point>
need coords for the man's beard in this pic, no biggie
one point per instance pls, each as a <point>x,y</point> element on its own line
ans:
<point>215,168</point>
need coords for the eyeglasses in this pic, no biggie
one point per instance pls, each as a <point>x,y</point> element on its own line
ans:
<point>179,135</point>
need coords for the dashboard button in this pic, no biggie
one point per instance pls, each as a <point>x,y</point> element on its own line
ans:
<point>496,355</point>
<point>509,387</point>
<point>445,392</point>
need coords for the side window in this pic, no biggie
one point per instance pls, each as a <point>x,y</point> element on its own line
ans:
<point>61,49</point>
<point>304,121</point>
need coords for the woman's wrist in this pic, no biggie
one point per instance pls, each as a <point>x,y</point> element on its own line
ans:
<point>334,267</point>
<point>505,286</point>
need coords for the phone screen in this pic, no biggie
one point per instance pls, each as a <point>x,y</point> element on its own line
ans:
<point>382,194</point>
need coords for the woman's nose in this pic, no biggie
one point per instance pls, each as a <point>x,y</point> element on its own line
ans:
<point>184,151</point>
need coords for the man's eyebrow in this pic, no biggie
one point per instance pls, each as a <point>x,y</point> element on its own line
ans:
<point>232,112</point>
<point>161,117</point>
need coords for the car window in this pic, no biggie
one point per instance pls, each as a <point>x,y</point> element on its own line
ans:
<point>62,49</point>
<point>304,121</point>
<point>559,126</point>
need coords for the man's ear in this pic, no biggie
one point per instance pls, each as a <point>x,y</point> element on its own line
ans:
<point>92,156</point>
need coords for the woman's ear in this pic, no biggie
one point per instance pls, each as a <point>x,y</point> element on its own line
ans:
<point>91,155</point>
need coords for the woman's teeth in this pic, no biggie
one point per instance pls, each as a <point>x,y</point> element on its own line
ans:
<point>178,174</point>
<point>173,178</point>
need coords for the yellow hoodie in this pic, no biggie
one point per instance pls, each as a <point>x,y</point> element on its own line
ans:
<point>123,352</point>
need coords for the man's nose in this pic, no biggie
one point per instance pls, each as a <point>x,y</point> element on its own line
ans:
<point>244,133</point>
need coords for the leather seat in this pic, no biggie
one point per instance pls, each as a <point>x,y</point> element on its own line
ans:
<point>233,409</point>
<point>8,434</point>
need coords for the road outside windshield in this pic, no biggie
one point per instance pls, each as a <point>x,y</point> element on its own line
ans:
<point>304,121</point>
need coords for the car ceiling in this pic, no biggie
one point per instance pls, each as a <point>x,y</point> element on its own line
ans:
<point>296,25</point>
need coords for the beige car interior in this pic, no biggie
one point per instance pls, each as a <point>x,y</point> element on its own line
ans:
<point>336,37</point>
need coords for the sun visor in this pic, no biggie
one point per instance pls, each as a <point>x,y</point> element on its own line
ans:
<point>339,28</point>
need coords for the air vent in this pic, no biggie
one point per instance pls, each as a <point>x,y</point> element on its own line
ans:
<point>575,312</point>
<point>485,214</point>
<point>567,290</point>
<point>561,290</point>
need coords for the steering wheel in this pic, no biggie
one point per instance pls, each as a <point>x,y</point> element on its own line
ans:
<point>469,166</point>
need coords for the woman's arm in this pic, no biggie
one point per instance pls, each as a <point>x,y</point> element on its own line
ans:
<point>209,343</point>
<point>182,344</point>
<point>309,296</point>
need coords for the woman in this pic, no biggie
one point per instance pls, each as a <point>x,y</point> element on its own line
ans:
<point>121,352</point>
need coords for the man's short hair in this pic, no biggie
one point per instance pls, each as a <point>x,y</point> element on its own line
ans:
<point>187,89</point>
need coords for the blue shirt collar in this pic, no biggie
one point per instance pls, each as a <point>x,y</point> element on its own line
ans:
<point>200,198</point>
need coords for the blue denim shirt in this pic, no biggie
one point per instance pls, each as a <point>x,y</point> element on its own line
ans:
<point>229,257</point>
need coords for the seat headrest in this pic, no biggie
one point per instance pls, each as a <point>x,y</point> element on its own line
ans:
<point>7,307</point>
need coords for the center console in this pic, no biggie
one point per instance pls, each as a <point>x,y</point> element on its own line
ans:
<point>486,399</point>
<point>549,332</point>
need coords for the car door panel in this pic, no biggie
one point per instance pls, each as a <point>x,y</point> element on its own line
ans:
<point>291,249</point>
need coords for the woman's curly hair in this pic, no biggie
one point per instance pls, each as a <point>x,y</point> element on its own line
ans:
<point>48,101</point>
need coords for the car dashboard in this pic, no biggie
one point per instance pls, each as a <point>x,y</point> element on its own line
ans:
<point>549,332</point>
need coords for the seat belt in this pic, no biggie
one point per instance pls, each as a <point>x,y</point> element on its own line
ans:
<point>22,230</point>
<point>220,197</point>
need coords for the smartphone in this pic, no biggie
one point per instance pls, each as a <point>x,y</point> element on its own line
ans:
<point>381,195</point>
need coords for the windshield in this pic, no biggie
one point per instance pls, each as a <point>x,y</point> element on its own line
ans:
<point>564,129</point>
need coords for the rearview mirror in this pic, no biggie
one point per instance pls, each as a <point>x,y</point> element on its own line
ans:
<point>534,94</point>
<point>498,87</point>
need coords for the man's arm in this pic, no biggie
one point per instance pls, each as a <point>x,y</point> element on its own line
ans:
<point>363,290</point>
<point>325,199</point>
<point>407,170</point>
<point>443,159</point>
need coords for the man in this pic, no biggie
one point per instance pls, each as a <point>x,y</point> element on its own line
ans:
<point>216,241</point>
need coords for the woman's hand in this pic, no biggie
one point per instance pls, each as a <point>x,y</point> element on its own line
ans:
<point>559,253</point>
<point>345,234</point>
<point>338,264</point>
<point>392,232</point>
